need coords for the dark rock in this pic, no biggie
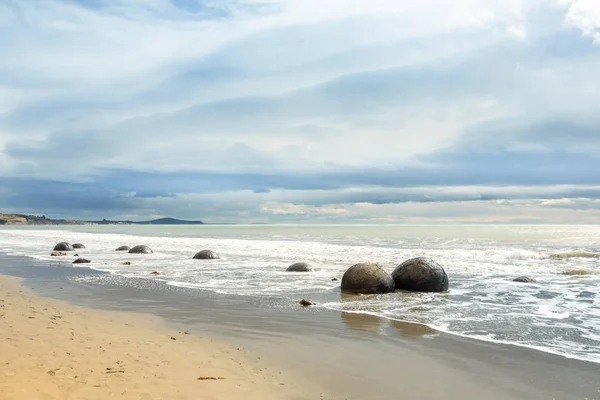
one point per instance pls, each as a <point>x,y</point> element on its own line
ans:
<point>126,263</point>
<point>524,279</point>
<point>299,267</point>
<point>75,255</point>
<point>63,246</point>
<point>123,248</point>
<point>367,278</point>
<point>81,261</point>
<point>421,274</point>
<point>154,273</point>
<point>206,255</point>
<point>78,246</point>
<point>334,279</point>
<point>141,249</point>
<point>307,302</point>
<point>58,254</point>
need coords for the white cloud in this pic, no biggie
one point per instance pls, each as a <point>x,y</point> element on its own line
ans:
<point>292,85</point>
<point>584,15</point>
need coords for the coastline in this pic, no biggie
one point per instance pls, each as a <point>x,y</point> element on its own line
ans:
<point>54,350</point>
<point>350,355</point>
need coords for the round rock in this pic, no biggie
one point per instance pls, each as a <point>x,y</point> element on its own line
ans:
<point>299,267</point>
<point>141,249</point>
<point>367,278</point>
<point>421,275</point>
<point>524,279</point>
<point>81,261</point>
<point>78,246</point>
<point>123,248</point>
<point>206,255</point>
<point>63,246</point>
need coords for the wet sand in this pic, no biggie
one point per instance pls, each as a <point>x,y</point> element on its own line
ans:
<point>344,356</point>
<point>53,350</point>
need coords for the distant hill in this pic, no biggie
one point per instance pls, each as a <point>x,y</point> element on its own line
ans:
<point>22,219</point>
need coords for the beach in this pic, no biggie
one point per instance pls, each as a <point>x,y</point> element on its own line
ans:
<point>53,350</point>
<point>487,337</point>
<point>324,354</point>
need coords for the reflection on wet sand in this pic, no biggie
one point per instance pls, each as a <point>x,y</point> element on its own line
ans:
<point>411,329</point>
<point>363,322</point>
<point>382,326</point>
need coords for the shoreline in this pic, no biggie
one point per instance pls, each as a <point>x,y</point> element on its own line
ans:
<point>54,350</point>
<point>347,354</point>
<point>544,350</point>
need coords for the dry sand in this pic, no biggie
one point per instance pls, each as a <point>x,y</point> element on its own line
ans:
<point>53,350</point>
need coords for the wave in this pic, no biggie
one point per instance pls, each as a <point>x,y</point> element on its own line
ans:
<point>574,254</point>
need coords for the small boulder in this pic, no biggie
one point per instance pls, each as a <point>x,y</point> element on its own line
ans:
<point>307,302</point>
<point>421,274</point>
<point>154,273</point>
<point>141,249</point>
<point>123,248</point>
<point>75,255</point>
<point>367,278</point>
<point>334,279</point>
<point>206,255</point>
<point>81,261</point>
<point>299,267</point>
<point>524,279</point>
<point>58,254</point>
<point>63,246</point>
<point>126,263</point>
<point>78,246</point>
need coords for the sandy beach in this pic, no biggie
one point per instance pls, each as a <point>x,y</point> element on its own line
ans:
<point>53,350</point>
<point>68,325</point>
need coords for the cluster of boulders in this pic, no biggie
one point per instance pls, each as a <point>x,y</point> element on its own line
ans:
<point>417,274</point>
<point>61,249</point>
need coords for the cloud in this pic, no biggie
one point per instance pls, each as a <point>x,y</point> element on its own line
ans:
<point>584,15</point>
<point>294,109</point>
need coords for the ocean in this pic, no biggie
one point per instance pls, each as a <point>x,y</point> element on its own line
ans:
<point>559,313</point>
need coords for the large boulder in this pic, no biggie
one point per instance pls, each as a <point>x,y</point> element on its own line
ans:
<point>367,278</point>
<point>299,267</point>
<point>63,246</point>
<point>206,255</point>
<point>420,275</point>
<point>81,261</point>
<point>141,249</point>
<point>78,246</point>
<point>123,248</point>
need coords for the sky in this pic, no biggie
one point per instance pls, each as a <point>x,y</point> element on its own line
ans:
<point>302,111</point>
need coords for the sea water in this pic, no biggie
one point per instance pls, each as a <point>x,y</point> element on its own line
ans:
<point>559,313</point>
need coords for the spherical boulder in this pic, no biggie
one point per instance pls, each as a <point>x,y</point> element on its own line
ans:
<point>141,249</point>
<point>367,278</point>
<point>78,246</point>
<point>63,246</point>
<point>206,255</point>
<point>524,279</point>
<point>81,261</point>
<point>299,267</point>
<point>421,275</point>
<point>123,248</point>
